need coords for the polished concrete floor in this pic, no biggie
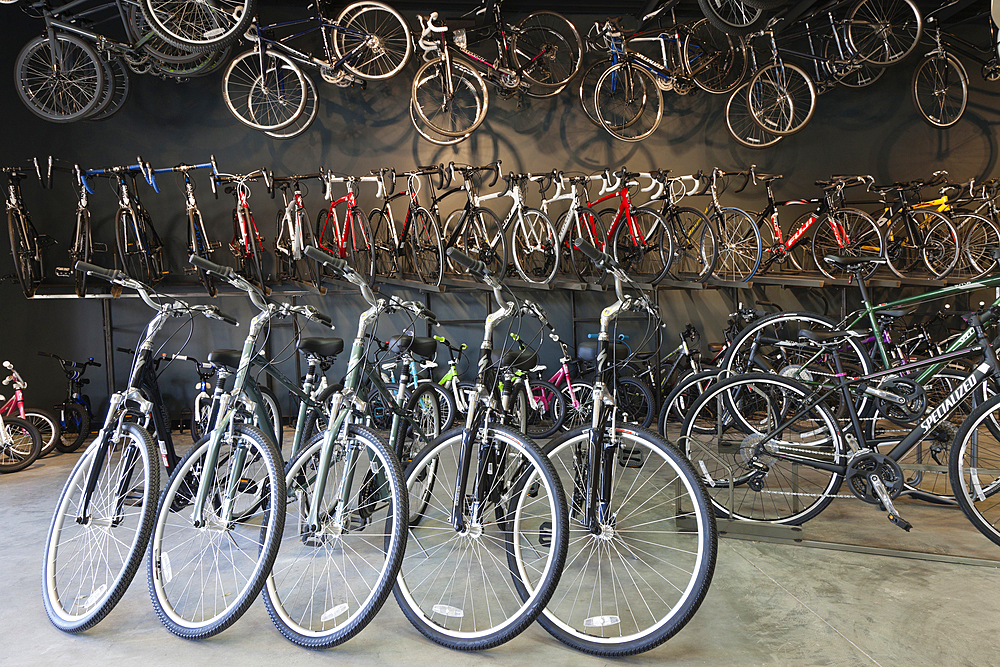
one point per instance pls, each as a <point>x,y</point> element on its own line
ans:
<point>769,604</point>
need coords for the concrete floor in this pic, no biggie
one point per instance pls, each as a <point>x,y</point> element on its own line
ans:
<point>770,604</point>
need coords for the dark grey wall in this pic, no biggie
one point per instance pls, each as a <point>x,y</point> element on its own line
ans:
<point>874,130</point>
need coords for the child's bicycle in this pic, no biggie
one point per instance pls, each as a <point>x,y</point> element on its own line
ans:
<point>75,413</point>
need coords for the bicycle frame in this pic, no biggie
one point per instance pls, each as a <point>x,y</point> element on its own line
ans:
<point>321,24</point>
<point>343,235</point>
<point>60,19</point>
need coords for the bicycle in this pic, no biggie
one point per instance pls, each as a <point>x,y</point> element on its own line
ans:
<point>247,245</point>
<point>579,221</point>
<point>536,57</point>
<point>294,233</point>
<point>493,499</point>
<point>25,243</point>
<point>20,443</point>
<point>139,246</point>
<point>353,239</point>
<point>104,514</point>
<point>75,413</point>
<point>44,422</point>
<point>638,504</point>
<point>696,238</point>
<point>197,235</point>
<point>265,87</point>
<point>420,236</point>
<point>740,248</point>
<point>477,228</point>
<point>198,26</point>
<point>83,247</point>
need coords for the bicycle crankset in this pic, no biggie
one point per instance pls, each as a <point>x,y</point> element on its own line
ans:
<point>862,467</point>
<point>900,400</point>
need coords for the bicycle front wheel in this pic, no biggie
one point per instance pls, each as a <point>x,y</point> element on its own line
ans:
<point>48,427</point>
<point>92,552</point>
<point>198,244</point>
<point>715,60</point>
<point>535,246</point>
<point>628,102</point>
<point>20,444</point>
<point>373,40</point>
<point>426,247</point>
<point>587,225</point>
<point>456,584</point>
<point>134,248</point>
<point>974,469</point>
<point>331,578</point>
<point>733,16</point>
<point>884,33</point>
<point>739,245</point>
<point>547,49</point>
<point>202,578</point>
<point>782,98</point>
<point>359,244</point>
<point>75,425</point>
<point>846,232</point>
<point>695,245</point>
<point>451,100</point>
<point>939,249</point>
<point>940,90</point>
<point>24,251</point>
<point>484,240</point>
<point>635,400</point>
<point>60,82</point>
<point>640,576</point>
<point>643,245</point>
<point>734,435</point>
<point>199,26</point>
<point>742,125</point>
<point>546,417</point>
<point>979,236</point>
<point>580,412</point>
<point>266,92</point>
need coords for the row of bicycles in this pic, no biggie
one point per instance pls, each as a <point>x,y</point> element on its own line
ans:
<point>606,536</point>
<point>658,226</point>
<point>772,62</point>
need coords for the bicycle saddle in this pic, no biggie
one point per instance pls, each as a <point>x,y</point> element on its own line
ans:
<point>522,360</point>
<point>823,337</point>
<point>418,346</point>
<point>226,358</point>
<point>767,178</point>
<point>853,264</point>
<point>587,350</point>
<point>323,347</point>
<point>893,313</point>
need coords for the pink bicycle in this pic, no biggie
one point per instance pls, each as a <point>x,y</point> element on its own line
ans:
<point>48,426</point>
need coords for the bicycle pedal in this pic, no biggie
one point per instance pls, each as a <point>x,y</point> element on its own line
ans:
<point>545,533</point>
<point>64,272</point>
<point>899,521</point>
<point>246,486</point>
<point>630,457</point>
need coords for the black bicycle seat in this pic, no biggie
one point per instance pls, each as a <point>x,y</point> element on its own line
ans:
<point>522,360</point>
<point>323,347</point>
<point>893,313</point>
<point>587,350</point>
<point>853,264</point>
<point>226,358</point>
<point>418,346</point>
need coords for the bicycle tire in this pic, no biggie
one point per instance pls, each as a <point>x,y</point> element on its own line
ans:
<point>884,39</point>
<point>430,135</point>
<point>745,410</point>
<point>622,98</point>
<point>51,91</point>
<point>199,26</point>
<point>359,245</point>
<point>582,415</point>
<point>535,247</point>
<point>423,406</point>
<point>357,565</point>
<point>587,225</point>
<point>647,260</point>
<point>539,45</point>
<point>367,22</point>
<point>972,465</point>
<point>250,543</point>
<point>75,427</point>
<point>695,245</point>
<point>198,244</point>
<point>546,419</point>
<point>483,239</point>
<point>663,544</point>
<point>740,247</point>
<point>680,399</point>
<point>715,60</point>
<point>107,93</point>
<point>741,123</point>
<point>782,98</point>
<point>81,251</point>
<point>24,252</point>
<point>733,16</point>
<point>133,247</point>
<point>20,444</point>
<point>455,117</point>
<point>588,87</point>
<point>384,249</point>
<point>940,89</point>
<point>426,247</point>
<point>48,428</point>
<point>635,399</point>
<point>766,5</point>
<point>86,569</point>
<point>305,119</point>
<point>940,248</point>
<point>978,236</point>
<point>266,94</point>
<point>531,505</point>
<point>252,268</point>
<point>846,232</point>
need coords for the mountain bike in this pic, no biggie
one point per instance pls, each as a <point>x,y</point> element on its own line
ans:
<point>47,425</point>
<point>104,514</point>
<point>75,413</point>
<point>25,243</point>
<point>247,245</point>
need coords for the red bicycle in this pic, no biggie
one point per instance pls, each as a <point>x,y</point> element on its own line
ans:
<point>640,240</point>
<point>347,236</point>
<point>247,244</point>
<point>48,426</point>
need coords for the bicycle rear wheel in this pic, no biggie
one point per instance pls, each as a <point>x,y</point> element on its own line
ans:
<point>198,244</point>
<point>644,246</point>
<point>978,236</point>
<point>329,580</point>
<point>715,60</point>
<point>940,89</point>
<point>75,425</point>
<point>884,33</point>
<point>230,556</point>
<point>628,102</point>
<point>733,16</point>
<point>359,244</point>
<point>82,250</point>
<point>59,82</point>
<point>739,245</point>
<point>453,112</point>
<point>635,399</point>
<point>741,123</point>
<point>588,87</point>
<point>267,93</point>
<point>374,38</point>
<point>20,444</point>
<point>426,247</point>
<point>48,427</point>
<point>456,586</point>
<point>782,98</point>
<point>535,247</point>
<point>134,247</point>
<point>547,49</point>
<point>695,245</point>
<point>634,583</point>
<point>587,225</point>
<point>91,560</point>
<point>846,232</point>
<point>732,433</point>
<point>199,26</point>
<point>24,251</point>
<point>974,469</point>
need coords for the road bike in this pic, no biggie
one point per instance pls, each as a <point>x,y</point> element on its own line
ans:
<point>294,233</point>
<point>347,235</point>
<point>25,243</point>
<point>247,245</point>
<point>419,240</point>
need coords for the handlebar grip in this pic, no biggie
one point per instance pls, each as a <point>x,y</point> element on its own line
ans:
<point>99,271</point>
<point>94,363</point>
<point>46,354</point>
<point>125,350</point>
<point>228,319</point>
<point>588,249</point>
<point>323,319</point>
<point>326,258</point>
<point>495,168</point>
<point>473,266</point>
<point>211,267</point>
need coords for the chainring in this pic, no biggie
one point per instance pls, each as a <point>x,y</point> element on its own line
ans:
<point>867,463</point>
<point>911,410</point>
